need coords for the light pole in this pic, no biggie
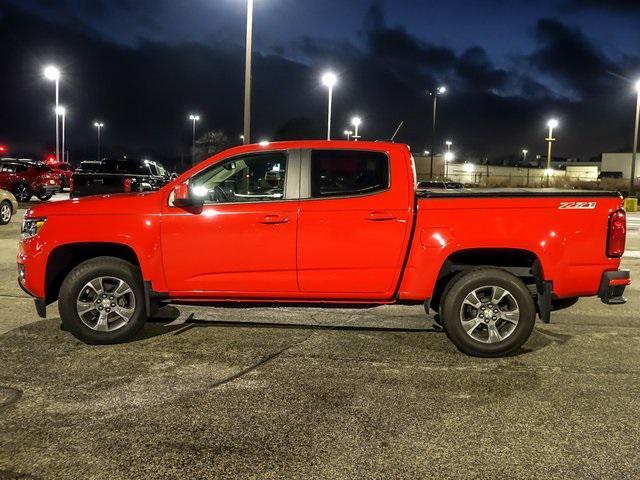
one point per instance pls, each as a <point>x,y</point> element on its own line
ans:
<point>247,74</point>
<point>438,91</point>
<point>356,122</point>
<point>553,123</point>
<point>524,155</point>
<point>348,134</point>
<point>194,119</point>
<point>632,185</point>
<point>52,73</point>
<point>99,126</point>
<point>329,80</point>
<point>61,112</point>
<point>448,157</point>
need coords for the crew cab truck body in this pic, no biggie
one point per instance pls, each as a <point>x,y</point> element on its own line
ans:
<point>313,222</point>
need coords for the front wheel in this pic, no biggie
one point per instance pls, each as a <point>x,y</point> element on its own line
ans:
<point>488,312</point>
<point>6,212</point>
<point>101,301</point>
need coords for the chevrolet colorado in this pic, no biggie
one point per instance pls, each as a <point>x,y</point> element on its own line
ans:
<point>311,222</point>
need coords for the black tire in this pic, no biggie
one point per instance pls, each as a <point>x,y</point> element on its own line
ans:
<point>6,204</point>
<point>22,192</point>
<point>451,312</point>
<point>76,280</point>
<point>44,196</point>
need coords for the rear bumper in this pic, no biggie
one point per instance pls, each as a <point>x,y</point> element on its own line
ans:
<point>612,287</point>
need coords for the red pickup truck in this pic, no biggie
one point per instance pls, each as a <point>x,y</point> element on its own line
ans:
<point>313,222</point>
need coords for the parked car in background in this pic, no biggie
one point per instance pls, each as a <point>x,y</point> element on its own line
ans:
<point>8,206</point>
<point>25,178</point>
<point>329,222</point>
<point>65,171</point>
<point>446,184</point>
<point>117,176</point>
<point>613,175</point>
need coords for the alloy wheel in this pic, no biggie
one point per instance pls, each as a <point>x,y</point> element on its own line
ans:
<point>489,314</point>
<point>106,304</point>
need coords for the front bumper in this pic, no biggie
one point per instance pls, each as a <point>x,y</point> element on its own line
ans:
<point>612,287</point>
<point>41,305</point>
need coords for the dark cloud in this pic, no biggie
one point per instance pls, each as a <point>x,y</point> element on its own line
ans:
<point>568,56</point>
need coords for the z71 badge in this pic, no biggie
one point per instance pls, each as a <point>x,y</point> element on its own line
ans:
<point>577,205</point>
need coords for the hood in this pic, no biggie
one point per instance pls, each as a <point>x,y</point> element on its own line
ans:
<point>110,204</point>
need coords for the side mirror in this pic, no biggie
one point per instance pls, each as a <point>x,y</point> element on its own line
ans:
<point>182,197</point>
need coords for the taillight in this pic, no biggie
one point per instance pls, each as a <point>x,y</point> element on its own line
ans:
<point>127,185</point>
<point>617,234</point>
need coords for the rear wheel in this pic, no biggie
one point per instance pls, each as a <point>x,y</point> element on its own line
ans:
<point>43,196</point>
<point>101,301</point>
<point>6,212</point>
<point>22,192</point>
<point>487,312</point>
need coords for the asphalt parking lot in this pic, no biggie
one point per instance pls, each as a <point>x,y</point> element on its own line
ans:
<point>311,393</point>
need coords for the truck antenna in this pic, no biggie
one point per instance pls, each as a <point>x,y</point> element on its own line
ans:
<point>393,137</point>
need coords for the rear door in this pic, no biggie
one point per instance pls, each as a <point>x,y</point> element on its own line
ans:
<point>354,223</point>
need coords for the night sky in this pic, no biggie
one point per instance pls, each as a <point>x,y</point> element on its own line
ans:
<point>141,66</point>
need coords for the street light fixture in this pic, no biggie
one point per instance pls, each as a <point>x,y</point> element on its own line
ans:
<point>348,134</point>
<point>632,185</point>
<point>61,112</point>
<point>524,155</point>
<point>441,90</point>
<point>99,126</point>
<point>247,73</point>
<point>194,118</point>
<point>448,143</point>
<point>356,122</point>
<point>52,73</point>
<point>329,80</point>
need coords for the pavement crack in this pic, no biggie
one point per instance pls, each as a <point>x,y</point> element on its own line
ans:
<point>261,362</point>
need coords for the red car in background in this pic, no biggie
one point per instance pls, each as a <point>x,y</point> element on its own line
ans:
<point>65,171</point>
<point>25,178</point>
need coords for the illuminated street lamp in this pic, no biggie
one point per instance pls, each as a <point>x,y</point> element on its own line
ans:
<point>99,126</point>
<point>247,74</point>
<point>438,91</point>
<point>329,80</point>
<point>524,155</point>
<point>61,112</point>
<point>348,134</point>
<point>194,119</point>
<point>356,122</point>
<point>632,186</point>
<point>553,123</point>
<point>448,143</point>
<point>52,73</point>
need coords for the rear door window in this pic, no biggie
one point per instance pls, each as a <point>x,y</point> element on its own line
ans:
<point>340,173</point>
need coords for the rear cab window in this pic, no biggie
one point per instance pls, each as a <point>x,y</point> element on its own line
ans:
<point>344,173</point>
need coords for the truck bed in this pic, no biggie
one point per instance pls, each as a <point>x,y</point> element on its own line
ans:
<point>512,193</point>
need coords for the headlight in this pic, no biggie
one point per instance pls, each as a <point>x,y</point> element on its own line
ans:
<point>31,227</point>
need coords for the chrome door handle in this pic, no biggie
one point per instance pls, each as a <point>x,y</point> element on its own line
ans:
<point>273,219</point>
<point>380,216</point>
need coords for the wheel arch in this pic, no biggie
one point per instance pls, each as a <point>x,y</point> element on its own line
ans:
<point>522,263</point>
<point>65,258</point>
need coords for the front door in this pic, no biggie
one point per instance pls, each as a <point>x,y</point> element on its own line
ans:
<point>242,243</point>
